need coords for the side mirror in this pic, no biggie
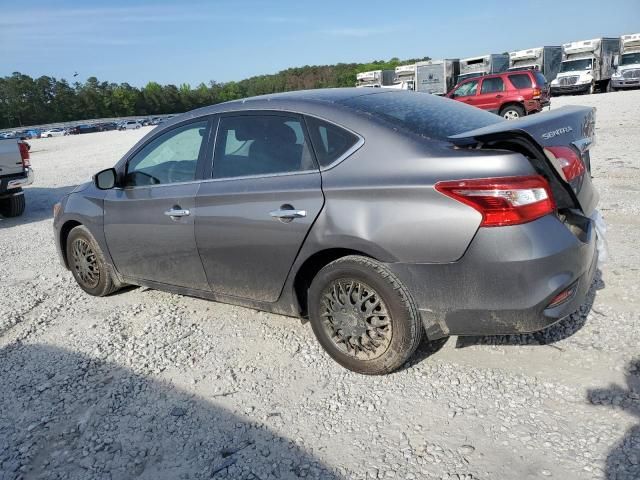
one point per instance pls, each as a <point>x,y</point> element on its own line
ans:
<point>106,179</point>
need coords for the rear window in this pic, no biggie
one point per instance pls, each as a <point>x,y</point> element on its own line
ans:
<point>521,80</point>
<point>422,113</point>
<point>540,80</point>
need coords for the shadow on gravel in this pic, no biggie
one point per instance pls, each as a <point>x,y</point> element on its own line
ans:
<point>67,415</point>
<point>40,203</point>
<point>623,461</point>
<point>555,333</point>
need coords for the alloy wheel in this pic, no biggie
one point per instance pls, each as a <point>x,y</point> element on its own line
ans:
<point>511,115</point>
<point>85,263</point>
<point>356,319</point>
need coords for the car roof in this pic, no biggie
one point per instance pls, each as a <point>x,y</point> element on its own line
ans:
<point>302,101</point>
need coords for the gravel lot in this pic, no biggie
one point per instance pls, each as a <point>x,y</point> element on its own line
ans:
<point>153,385</point>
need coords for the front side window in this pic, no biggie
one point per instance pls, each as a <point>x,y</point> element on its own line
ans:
<point>170,158</point>
<point>250,145</point>
<point>466,89</point>
<point>329,141</point>
<point>492,85</point>
<point>520,80</point>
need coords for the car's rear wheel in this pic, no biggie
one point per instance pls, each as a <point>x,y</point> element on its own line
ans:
<point>14,205</point>
<point>88,265</point>
<point>363,316</point>
<point>512,112</point>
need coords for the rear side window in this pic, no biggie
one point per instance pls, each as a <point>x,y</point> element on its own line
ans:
<point>249,145</point>
<point>520,80</point>
<point>329,141</point>
<point>428,115</point>
<point>492,85</point>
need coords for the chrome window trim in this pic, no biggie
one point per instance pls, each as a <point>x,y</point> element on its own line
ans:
<point>266,175</point>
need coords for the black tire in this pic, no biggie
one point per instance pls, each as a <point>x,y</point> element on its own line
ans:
<point>512,112</point>
<point>377,284</point>
<point>13,206</point>
<point>88,266</point>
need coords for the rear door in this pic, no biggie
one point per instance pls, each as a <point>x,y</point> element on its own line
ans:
<point>492,93</point>
<point>256,210</point>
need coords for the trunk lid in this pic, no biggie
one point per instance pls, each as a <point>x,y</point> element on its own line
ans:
<point>572,127</point>
<point>10,158</point>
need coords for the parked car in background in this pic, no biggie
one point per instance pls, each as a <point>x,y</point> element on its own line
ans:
<point>294,207</point>
<point>15,173</point>
<point>107,126</point>
<point>129,125</point>
<point>53,132</point>
<point>510,94</point>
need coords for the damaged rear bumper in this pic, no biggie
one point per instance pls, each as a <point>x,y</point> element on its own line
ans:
<point>506,280</point>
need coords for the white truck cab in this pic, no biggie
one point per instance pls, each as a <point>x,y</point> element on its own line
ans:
<point>587,66</point>
<point>627,74</point>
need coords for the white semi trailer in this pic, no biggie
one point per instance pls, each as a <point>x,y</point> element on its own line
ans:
<point>587,66</point>
<point>546,60</point>
<point>432,76</point>
<point>437,76</point>
<point>627,74</point>
<point>405,78</point>
<point>483,65</point>
<point>375,78</point>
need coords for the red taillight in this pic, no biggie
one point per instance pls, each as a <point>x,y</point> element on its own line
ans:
<point>537,92</point>
<point>562,296</point>
<point>503,200</point>
<point>24,154</point>
<point>571,163</point>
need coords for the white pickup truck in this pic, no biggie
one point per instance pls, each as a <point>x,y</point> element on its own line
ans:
<point>15,173</point>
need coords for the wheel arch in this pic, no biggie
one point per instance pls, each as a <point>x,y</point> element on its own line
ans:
<point>512,103</point>
<point>64,235</point>
<point>310,268</point>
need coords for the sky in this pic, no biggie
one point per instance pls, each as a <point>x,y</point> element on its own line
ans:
<point>179,42</point>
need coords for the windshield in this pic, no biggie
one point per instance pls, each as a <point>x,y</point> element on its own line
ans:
<point>630,58</point>
<point>423,113</point>
<point>576,65</point>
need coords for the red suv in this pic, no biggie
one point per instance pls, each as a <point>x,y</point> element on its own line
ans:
<point>509,94</point>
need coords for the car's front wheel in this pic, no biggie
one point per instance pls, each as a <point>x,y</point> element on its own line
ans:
<point>363,316</point>
<point>88,265</point>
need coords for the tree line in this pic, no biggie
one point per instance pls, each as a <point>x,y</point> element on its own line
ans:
<point>35,101</point>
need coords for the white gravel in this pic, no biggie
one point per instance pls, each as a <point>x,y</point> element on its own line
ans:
<point>153,385</point>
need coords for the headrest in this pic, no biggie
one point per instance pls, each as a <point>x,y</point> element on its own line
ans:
<point>267,129</point>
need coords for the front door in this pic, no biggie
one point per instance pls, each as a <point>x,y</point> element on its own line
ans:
<point>466,92</point>
<point>491,95</point>
<point>149,221</point>
<point>255,212</point>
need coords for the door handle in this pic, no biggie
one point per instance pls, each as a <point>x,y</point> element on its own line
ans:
<point>177,212</point>
<point>288,213</point>
<point>499,96</point>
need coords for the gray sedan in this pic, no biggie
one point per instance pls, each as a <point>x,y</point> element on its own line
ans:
<point>381,216</point>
